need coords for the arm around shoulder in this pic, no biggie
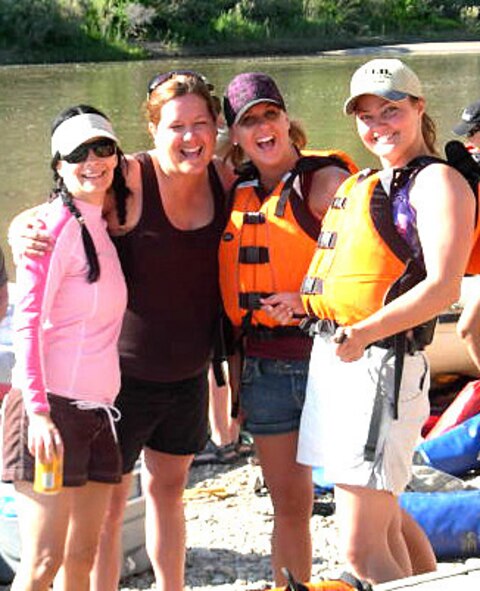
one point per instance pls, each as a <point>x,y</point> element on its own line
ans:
<point>27,235</point>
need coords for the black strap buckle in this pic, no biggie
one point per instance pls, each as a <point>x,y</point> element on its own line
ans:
<point>251,300</point>
<point>253,255</point>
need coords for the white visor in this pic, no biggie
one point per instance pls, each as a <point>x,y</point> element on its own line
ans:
<point>78,130</point>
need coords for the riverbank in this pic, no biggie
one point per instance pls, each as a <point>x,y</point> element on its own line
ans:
<point>403,49</point>
<point>159,51</point>
<point>268,48</point>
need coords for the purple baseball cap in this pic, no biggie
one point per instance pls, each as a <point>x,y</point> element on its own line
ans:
<point>246,90</point>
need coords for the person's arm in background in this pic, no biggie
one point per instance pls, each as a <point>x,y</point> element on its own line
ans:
<point>3,286</point>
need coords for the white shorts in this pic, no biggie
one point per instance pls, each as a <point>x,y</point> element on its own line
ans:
<point>337,413</point>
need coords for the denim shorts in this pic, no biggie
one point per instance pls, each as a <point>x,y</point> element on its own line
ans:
<point>272,395</point>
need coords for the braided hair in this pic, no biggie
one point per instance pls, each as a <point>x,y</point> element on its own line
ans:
<point>119,186</point>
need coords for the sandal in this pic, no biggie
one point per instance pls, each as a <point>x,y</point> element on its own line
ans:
<point>244,445</point>
<point>216,454</point>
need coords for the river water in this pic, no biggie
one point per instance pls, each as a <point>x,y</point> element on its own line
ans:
<point>314,88</point>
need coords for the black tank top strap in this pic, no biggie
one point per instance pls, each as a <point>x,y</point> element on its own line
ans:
<point>151,192</point>
<point>219,194</point>
<point>151,204</point>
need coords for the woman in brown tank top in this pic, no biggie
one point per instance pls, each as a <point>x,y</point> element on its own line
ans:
<point>169,257</point>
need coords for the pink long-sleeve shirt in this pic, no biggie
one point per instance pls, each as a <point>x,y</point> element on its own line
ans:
<point>66,329</point>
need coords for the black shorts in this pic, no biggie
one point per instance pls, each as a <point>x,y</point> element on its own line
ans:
<point>90,450</point>
<point>171,417</point>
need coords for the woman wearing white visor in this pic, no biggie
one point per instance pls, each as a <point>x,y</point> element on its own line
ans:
<point>67,320</point>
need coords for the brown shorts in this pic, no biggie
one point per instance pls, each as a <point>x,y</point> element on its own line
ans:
<point>91,452</point>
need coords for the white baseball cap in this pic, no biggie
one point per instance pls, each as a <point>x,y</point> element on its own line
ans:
<point>389,78</point>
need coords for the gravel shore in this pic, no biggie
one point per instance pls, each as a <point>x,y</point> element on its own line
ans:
<point>229,522</point>
<point>228,533</point>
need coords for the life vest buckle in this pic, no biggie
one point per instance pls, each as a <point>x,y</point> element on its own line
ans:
<point>339,203</point>
<point>327,240</point>
<point>254,217</point>
<point>312,286</point>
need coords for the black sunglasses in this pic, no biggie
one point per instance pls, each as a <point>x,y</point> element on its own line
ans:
<point>159,79</point>
<point>101,148</point>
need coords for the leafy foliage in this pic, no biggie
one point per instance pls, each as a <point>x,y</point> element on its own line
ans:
<point>35,23</point>
<point>50,23</point>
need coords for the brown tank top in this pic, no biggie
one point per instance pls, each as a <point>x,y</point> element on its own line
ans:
<point>173,292</point>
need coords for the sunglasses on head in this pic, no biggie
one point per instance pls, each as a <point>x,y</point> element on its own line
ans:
<point>101,148</point>
<point>159,79</point>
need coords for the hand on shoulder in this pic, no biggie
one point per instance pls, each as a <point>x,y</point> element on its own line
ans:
<point>27,235</point>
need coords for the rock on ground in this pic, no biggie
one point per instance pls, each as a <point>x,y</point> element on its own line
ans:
<point>228,533</point>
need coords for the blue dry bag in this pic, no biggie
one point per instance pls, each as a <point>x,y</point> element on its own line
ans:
<point>457,451</point>
<point>451,520</point>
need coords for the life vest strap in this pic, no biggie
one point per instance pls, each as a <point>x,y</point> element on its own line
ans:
<point>307,164</point>
<point>251,300</point>
<point>312,286</point>
<point>377,410</point>
<point>253,255</point>
<point>355,583</point>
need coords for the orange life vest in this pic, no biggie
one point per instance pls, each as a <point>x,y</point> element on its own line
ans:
<point>268,245</point>
<point>361,259</point>
<point>362,262</point>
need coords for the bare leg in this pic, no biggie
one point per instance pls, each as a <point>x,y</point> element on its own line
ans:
<point>291,489</point>
<point>420,550</point>
<point>370,533</point>
<point>87,510</point>
<point>105,574</point>
<point>224,428</point>
<point>164,480</point>
<point>43,522</point>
